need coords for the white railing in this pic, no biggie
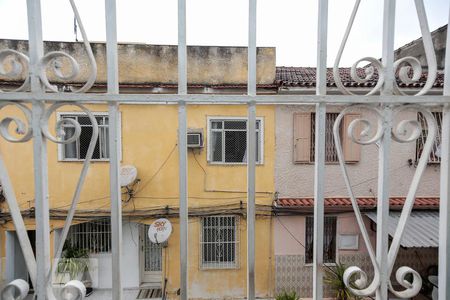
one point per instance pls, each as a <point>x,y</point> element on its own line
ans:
<point>385,101</point>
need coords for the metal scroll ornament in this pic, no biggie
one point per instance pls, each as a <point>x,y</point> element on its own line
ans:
<point>366,132</point>
<point>408,69</point>
<point>360,286</point>
<point>61,138</point>
<point>52,61</point>
<point>13,64</point>
<point>23,133</point>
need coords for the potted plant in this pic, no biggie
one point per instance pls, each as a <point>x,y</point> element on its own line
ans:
<point>73,264</point>
<point>334,277</point>
<point>287,296</point>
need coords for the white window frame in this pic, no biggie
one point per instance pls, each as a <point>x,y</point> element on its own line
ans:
<point>228,118</point>
<point>237,247</point>
<point>61,157</point>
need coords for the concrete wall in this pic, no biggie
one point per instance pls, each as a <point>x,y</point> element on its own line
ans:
<point>141,63</point>
<point>415,48</point>
<point>297,180</point>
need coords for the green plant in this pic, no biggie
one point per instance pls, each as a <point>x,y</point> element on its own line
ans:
<point>74,261</point>
<point>287,296</point>
<point>334,277</point>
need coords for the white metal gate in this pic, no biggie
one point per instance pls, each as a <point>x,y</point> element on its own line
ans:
<point>385,100</point>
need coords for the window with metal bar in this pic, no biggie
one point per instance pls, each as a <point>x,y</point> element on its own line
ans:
<point>304,138</point>
<point>152,253</point>
<point>77,150</point>
<point>329,239</point>
<point>435,155</point>
<point>330,146</point>
<point>228,140</point>
<point>219,243</point>
<point>94,236</point>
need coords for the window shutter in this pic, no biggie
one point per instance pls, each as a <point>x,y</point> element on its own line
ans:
<point>352,150</point>
<point>302,137</point>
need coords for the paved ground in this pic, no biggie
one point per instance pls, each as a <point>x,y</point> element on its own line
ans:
<point>99,294</point>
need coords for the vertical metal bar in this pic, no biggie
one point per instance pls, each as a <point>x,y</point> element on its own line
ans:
<point>319,149</point>
<point>182,49</point>
<point>388,46</point>
<point>182,149</point>
<point>251,150</point>
<point>251,180</point>
<point>251,87</point>
<point>182,145</point>
<point>36,50</point>
<point>114,148</point>
<point>444,210</point>
<point>382,245</point>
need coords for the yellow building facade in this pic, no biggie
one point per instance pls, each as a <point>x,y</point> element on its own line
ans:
<point>216,188</point>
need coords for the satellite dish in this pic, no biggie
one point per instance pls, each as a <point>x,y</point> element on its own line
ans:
<point>160,231</point>
<point>128,174</point>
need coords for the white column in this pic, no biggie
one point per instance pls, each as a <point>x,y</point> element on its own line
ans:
<point>36,50</point>
<point>384,149</point>
<point>319,148</point>
<point>444,209</point>
<point>114,148</point>
<point>182,149</point>
<point>251,151</point>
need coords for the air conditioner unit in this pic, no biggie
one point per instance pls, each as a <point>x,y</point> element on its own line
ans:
<point>195,139</point>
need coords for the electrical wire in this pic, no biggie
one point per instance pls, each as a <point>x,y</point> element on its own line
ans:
<point>158,170</point>
<point>198,163</point>
<point>154,211</point>
<point>196,197</point>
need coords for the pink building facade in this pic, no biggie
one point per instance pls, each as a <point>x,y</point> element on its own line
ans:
<point>294,183</point>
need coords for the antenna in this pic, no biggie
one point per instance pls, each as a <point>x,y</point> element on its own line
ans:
<point>75,28</point>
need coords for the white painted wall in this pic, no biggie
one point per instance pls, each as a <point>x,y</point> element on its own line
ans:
<point>297,180</point>
<point>15,262</point>
<point>101,262</point>
<point>130,260</point>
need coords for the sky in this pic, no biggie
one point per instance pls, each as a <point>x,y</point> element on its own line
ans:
<point>288,25</point>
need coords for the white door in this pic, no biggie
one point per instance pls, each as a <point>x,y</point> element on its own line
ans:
<point>151,259</point>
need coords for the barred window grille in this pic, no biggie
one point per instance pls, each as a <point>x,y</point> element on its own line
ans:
<point>329,239</point>
<point>78,149</point>
<point>152,253</point>
<point>228,141</point>
<point>94,236</point>
<point>330,146</point>
<point>420,142</point>
<point>219,243</point>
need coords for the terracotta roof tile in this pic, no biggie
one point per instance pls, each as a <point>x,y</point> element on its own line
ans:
<point>306,77</point>
<point>364,202</point>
